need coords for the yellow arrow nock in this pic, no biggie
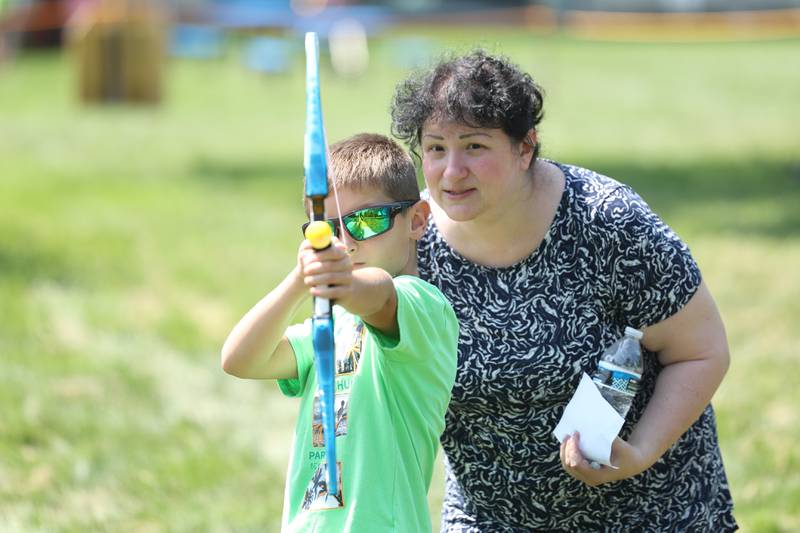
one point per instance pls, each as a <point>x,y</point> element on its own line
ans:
<point>319,234</point>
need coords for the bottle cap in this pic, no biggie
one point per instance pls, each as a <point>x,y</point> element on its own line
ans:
<point>635,333</point>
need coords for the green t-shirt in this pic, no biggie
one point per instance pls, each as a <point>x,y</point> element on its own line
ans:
<point>391,397</point>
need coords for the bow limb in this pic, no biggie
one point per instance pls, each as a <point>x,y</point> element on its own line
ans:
<point>316,190</point>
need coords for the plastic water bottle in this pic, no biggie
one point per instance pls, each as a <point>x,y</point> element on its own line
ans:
<point>620,371</point>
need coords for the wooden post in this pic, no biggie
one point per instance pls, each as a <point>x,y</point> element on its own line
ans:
<point>119,48</point>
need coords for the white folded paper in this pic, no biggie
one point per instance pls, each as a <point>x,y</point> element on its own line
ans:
<point>593,417</point>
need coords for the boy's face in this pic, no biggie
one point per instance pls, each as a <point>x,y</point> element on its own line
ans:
<point>394,250</point>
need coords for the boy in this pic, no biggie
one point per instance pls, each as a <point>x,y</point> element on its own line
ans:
<point>395,337</point>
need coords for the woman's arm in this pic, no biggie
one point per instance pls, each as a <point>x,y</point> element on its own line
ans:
<point>693,348</point>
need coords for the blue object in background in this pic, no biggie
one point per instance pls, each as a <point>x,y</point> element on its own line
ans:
<point>196,42</point>
<point>269,55</point>
<point>374,19</point>
<point>250,14</point>
<point>278,14</point>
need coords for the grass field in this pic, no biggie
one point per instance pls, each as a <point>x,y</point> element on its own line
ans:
<point>132,239</point>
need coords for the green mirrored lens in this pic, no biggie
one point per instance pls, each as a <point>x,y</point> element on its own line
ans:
<point>369,222</point>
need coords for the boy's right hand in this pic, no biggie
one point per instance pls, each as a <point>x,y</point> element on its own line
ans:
<point>327,273</point>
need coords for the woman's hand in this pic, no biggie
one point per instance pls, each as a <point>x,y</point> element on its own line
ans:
<point>626,458</point>
<point>327,273</point>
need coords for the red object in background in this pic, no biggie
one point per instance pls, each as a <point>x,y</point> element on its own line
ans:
<point>39,24</point>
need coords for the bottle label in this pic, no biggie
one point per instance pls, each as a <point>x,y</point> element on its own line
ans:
<point>617,378</point>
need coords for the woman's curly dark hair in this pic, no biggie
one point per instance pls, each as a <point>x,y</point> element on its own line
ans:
<point>476,89</point>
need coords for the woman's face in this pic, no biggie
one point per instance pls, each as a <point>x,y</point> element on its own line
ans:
<point>472,172</point>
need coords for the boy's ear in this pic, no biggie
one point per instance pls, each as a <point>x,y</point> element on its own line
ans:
<point>419,218</point>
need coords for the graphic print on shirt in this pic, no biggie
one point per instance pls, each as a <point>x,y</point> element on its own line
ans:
<point>348,354</point>
<point>316,497</point>
<point>341,406</point>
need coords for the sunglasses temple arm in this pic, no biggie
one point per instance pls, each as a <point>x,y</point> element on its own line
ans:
<point>343,234</point>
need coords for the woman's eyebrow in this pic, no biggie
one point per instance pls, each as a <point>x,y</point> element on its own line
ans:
<point>462,136</point>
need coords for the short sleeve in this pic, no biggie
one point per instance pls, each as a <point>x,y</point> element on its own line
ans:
<point>425,319</point>
<point>299,337</point>
<point>652,272</point>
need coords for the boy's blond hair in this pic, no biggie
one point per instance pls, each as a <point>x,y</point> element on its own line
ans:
<point>373,160</point>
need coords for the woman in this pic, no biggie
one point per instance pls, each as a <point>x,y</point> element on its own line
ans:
<point>546,264</point>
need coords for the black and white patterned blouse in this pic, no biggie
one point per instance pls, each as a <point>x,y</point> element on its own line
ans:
<point>528,332</point>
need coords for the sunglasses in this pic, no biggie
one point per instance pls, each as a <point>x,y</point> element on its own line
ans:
<point>368,222</point>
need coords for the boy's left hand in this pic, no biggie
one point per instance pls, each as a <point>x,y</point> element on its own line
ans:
<point>327,273</point>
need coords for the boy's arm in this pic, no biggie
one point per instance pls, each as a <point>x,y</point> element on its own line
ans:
<point>374,299</point>
<point>367,292</point>
<point>257,347</point>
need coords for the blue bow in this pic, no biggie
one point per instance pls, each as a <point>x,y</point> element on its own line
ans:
<point>316,171</point>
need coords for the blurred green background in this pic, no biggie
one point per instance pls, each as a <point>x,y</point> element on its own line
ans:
<point>133,238</point>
